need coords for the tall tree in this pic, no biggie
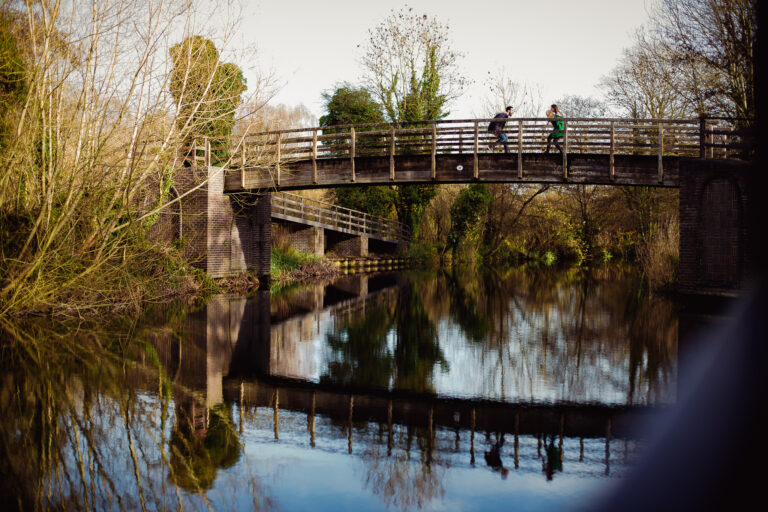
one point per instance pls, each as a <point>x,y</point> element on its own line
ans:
<point>207,92</point>
<point>712,44</point>
<point>348,104</point>
<point>412,71</point>
<point>644,84</point>
<point>410,67</point>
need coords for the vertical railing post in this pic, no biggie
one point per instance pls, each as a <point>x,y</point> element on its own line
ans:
<point>245,159</point>
<point>392,152</point>
<point>475,164</point>
<point>314,156</point>
<point>207,154</point>
<point>277,178</point>
<point>352,151</point>
<point>520,149</point>
<point>711,139</point>
<point>434,151</point>
<point>661,152</point>
<point>613,151</point>
<point>702,137</point>
<point>461,139</point>
<point>565,149</point>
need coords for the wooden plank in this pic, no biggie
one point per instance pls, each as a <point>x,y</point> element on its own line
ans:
<point>661,153</point>
<point>352,152</point>
<point>277,180</point>
<point>565,149</point>
<point>314,157</point>
<point>392,153</point>
<point>520,149</point>
<point>613,151</point>
<point>433,159</point>
<point>475,164</point>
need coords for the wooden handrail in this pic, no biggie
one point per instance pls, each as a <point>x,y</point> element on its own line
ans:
<point>338,216</point>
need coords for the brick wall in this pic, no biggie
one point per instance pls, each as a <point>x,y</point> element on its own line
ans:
<point>347,245</point>
<point>221,234</point>
<point>308,239</point>
<point>714,237</point>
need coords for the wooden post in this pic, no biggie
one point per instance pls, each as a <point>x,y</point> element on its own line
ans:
<point>607,445</point>
<point>279,137</point>
<point>520,149</point>
<point>276,414</point>
<point>207,152</point>
<point>661,152</point>
<point>349,436</point>
<point>434,151</point>
<point>702,137</point>
<point>314,156</point>
<point>242,171</point>
<point>711,141</point>
<point>565,149</point>
<point>461,139</point>
<point>613,150</point>
<point>392,152</point>
<point>352,151</point>
<point>475,165</point>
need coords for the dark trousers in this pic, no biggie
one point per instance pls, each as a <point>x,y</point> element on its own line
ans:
<point>556,139</point>
<point>502,137</point>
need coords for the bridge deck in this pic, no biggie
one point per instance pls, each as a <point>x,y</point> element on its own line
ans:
<point>595,151</point>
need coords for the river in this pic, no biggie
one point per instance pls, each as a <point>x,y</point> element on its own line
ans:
<point>455,390</point>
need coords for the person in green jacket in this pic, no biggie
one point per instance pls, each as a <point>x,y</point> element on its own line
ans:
<point>556,118</point>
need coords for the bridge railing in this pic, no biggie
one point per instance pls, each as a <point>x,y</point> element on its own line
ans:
<point>337,217</point>
<point>704,137</point>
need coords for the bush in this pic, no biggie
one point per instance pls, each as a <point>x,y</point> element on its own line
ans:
<point>658,254</point>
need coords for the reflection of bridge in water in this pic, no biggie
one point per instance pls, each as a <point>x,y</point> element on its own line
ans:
<point>249,352</point>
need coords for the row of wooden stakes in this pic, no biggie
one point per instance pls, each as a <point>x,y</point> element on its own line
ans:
<point>364,264</point>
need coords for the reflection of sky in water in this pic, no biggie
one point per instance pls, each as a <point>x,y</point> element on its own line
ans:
<point>288,474</point>
<point>531,356</point>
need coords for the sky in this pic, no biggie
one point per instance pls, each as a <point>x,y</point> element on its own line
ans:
<point>563,47</point>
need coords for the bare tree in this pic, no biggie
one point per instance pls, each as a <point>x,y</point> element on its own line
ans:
<point>97,131</point>
<point>644,84</point>
<point>712,44</point>
<point>410,67</point>
<point>503,90</point>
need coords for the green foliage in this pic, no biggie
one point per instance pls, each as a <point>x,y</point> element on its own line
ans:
<point>378,200</point>
<point>412,202</point>
<point>350,105</point>
<point>466,211</point>
<point>284,260</point>
<point>207,92</point>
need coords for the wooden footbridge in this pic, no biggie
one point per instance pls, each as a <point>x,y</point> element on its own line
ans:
<point>595,151</point>
<point>710,160</point>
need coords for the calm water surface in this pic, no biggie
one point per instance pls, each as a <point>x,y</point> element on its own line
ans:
<point>391,391</point>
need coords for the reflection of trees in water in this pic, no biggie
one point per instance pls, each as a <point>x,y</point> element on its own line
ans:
<point>197,453</point>
<point>417,348</point>
<point>363,353</point>
<point>569,329</point>
<point>85,428</point>
<point>403,475</point>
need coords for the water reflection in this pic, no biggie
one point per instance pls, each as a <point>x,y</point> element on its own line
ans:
<point>518,336</point>
<point>379,392</point>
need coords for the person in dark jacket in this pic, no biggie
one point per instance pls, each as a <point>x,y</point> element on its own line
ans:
<point>556,118</point>
<point>497,128</point>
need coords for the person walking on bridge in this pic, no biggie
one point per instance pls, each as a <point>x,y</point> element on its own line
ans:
<point>556,118</point>
<point>497,128</point>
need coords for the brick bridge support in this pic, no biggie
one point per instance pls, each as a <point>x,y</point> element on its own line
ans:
<point>715,243</point>
<point>224,234</point>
